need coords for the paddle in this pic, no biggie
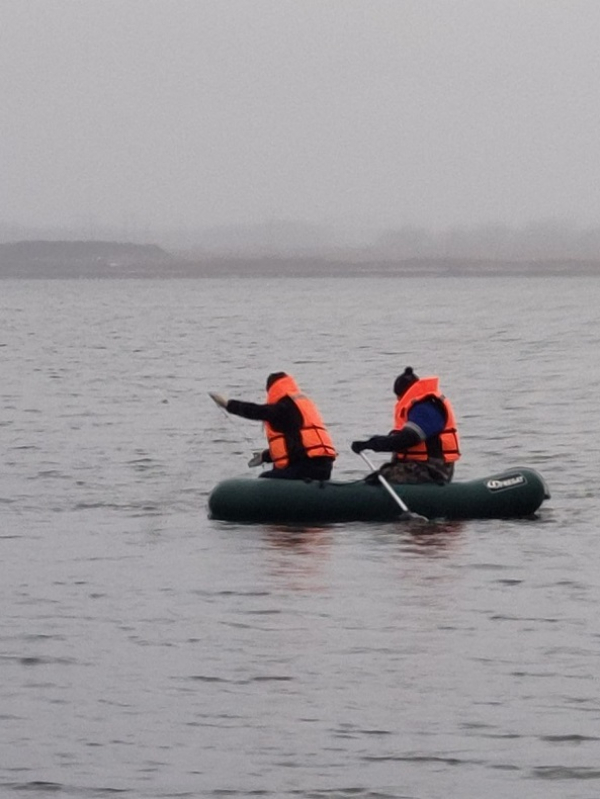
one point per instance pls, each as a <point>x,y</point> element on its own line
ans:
<point>406,512</point>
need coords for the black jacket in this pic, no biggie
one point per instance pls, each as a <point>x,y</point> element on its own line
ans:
<point>283,416</point>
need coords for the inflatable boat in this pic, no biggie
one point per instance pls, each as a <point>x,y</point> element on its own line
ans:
<point>515,493</point>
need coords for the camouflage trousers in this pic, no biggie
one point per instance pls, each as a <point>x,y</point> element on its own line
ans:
<point>432,471</point>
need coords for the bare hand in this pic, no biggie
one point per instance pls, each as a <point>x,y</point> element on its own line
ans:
<point>219,399</point>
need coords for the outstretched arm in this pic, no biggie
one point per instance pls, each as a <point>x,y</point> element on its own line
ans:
<point>250,410</point>
<point>397,441</point>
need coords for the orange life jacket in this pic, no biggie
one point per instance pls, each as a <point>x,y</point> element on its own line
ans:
<point>314,437</point>
<point>446,444</point>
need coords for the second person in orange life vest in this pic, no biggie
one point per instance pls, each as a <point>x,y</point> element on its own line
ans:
<point>299,445</point>
<point>424,439</point>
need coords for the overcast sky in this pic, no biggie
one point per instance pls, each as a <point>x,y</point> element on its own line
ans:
<point>195,113</point>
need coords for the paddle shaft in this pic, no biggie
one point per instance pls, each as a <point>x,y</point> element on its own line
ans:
<point>387,486</point>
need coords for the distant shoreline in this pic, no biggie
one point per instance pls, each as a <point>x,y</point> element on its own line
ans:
<point>115,260</point>
<point>292,268</point>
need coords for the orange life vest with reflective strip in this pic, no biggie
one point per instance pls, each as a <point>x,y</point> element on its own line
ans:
<point>316,441</point>
<point>446,444</point>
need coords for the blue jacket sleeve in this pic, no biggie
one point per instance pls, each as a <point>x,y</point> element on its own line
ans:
<point>429,417</point>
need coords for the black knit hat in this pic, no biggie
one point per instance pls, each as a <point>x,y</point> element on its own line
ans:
<point>404,381</point>
<point>273,377</point>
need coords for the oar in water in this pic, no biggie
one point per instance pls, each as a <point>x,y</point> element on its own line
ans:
<point>406,512</point>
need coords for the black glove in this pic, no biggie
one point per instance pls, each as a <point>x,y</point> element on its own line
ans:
<point>256,459</point>
<point>358,446</point>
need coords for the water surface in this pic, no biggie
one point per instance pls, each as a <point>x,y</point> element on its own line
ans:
<point>147,651</point>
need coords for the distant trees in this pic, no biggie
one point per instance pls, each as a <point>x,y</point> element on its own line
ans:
<point>543,240</point>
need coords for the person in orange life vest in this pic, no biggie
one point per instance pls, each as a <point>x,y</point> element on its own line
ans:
<point>424,439</point>
<point>300,448</point>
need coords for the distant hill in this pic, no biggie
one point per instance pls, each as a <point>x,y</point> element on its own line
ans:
<point>42,258</point>
<point>113,259</point>
<point>81,250</point>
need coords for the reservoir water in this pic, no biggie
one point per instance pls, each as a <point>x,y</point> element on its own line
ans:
<point>148,651</point>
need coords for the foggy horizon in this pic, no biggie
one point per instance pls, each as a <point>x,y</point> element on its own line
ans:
<point>546,240</point>
<point>144,115</point>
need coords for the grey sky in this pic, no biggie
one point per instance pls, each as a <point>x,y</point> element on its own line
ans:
<point>379,112</point>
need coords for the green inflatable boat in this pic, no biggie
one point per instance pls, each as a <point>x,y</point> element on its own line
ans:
<point>515,493</point>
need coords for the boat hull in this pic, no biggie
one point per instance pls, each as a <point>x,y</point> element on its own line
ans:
<point>515,493</point>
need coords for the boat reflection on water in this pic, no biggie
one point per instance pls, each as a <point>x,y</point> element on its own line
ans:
<point>299,553</point>
<point>431,538</point>
<point>302,551</point>
<point>418,537</point>
<point>303,538</point>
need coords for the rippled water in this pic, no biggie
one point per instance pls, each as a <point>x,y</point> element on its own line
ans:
<point>147,651</point>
